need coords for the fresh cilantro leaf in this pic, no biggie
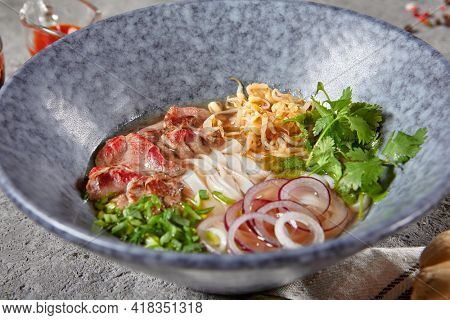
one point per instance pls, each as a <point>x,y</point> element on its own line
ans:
<point>336,105</point>
<point>322,123</point>
<point>348,124</point>
<point>333,168</point>
<point>376,143</point>
<point>343,102</point>
<point>321,109</point>
<point>320,87</point>
<point>345,137</point>
<point>324,160</point>
<point>371,113</point>
<point>372,189</point>
<point>362,129</point>
<point>358,154</point>
<point>349,196</point>
<point>346,94</point>
<point>305,123</point>
<point>360,174</point>
<point>325,147</point>
<point>378,193</point>
<point>402,147</point>
<point>342,135</point>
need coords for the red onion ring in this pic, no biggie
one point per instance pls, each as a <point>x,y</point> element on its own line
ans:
<point>232,214</point>
<point>264,190</point>
<point>234,229</point>
<point>286,205</point>
<point>307,191</point>
<point>247,239</point>
<point>256,204</point>
<point>282,206</point>
<point>282,234</point>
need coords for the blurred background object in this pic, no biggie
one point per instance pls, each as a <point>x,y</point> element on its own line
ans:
<point>439,16</point>
<point>49,20</point>
<point>433,281</point>
<point>394,12</point>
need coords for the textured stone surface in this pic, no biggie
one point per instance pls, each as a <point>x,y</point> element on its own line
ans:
<point>39,265</point>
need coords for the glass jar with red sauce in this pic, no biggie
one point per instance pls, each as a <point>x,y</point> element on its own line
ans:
<point>46,21</point>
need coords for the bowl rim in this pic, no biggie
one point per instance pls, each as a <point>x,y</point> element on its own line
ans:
<point>342,246</point>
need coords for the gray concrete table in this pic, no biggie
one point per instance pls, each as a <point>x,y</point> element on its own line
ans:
<point>37,264</point>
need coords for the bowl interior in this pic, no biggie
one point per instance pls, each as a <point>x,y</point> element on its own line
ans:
<point>58,108</point>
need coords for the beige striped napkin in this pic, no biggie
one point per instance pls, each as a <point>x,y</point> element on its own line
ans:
<point>374,273</point>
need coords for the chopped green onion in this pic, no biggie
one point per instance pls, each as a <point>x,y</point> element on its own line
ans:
<point>199,197</point>
<point>175,245</point>
<point>149,223</point>
<point>165,238</point>
<point>212,238</point>
<point>222,198</point>
<point>180,220</point>
<point>100,214</point>
<point>196,202</point>
<point>190,212</point>
<point>205,210</point>
<point>152,242</point>
<point>118,228</point>
<point>104,200</point>
<point>109,207</point>
<point>100,223</point>
<point>136,222</point>
<point>98,205</point>
<point>203,194</point>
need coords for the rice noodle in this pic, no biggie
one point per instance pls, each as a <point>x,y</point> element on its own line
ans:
<point>225,171</point>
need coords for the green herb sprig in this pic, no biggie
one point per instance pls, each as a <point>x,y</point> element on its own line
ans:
<point>344,139</point>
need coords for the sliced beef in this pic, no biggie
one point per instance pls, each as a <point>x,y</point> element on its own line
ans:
<point>167,152</point>
<point>205,139</point>
<point>185,117</point>
<point>153,132</point>
<point>197,144</point>
<point>112,153</point>
<point>138,153</point>
<point>121,181</point>
<point>168,189</point>
<point>135,189</point>
<point>177,140</point>
<point>212,137</point>
<point>186,143</point>
<point>148,162</point>
<point>106,181</point>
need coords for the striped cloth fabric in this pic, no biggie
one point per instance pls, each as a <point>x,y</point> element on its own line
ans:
<point>374,273</point>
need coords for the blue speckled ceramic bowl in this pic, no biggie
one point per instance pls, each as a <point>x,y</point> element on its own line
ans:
<point>57,109</point>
